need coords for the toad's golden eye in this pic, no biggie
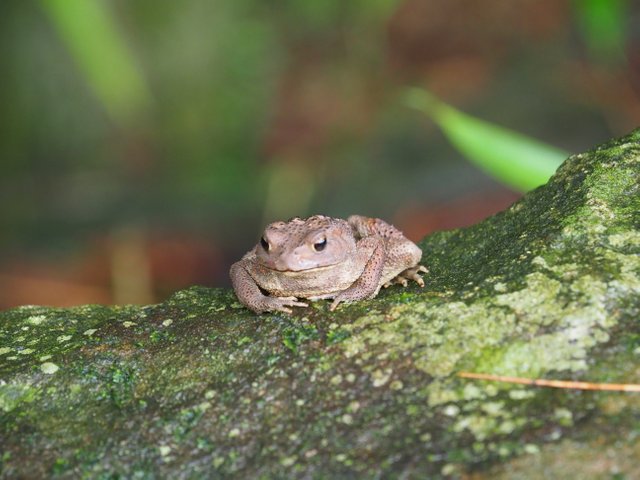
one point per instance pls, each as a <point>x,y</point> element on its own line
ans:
<point>319,246</point>
<point>265,244</point>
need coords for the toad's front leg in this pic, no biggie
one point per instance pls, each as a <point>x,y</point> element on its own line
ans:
<point>368,284</point>
<point>250,295</point>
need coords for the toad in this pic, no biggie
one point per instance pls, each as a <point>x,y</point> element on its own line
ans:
<point>324,258</point>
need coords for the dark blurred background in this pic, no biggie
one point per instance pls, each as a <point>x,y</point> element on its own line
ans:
<point>145,143</point>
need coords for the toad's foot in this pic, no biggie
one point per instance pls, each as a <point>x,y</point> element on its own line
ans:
<point>351,295</point>
<point>408,274</point>
<point>343,298</point>
<point>281,304</point>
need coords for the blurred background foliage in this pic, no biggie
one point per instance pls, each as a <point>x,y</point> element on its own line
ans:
<point>145,143</point>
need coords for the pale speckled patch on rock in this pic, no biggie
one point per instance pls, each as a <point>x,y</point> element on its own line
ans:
<point>49,368</point>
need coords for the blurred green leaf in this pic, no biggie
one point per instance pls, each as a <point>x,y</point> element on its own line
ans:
<point>516,160</point>
<point>90,33</point>
<point>603,24</point>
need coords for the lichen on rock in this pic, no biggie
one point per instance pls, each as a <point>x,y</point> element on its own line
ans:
<point>197,386</point>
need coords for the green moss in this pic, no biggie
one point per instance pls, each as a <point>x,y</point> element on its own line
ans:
<point>294,336</point>
<point>13,395</point>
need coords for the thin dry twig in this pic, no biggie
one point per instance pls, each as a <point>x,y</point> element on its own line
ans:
<point>541,382</point>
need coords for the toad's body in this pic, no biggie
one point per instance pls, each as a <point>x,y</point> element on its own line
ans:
<point>323,257</point>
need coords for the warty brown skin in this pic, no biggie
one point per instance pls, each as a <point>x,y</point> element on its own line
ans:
<point>323,257</point>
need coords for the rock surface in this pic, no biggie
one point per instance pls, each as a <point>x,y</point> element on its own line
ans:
<point>199,387</point>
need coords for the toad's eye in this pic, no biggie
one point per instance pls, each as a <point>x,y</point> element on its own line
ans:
<point>319,246</point>
<point>265,244</point>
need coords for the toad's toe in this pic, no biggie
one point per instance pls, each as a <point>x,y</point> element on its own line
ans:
<point>412,273</point>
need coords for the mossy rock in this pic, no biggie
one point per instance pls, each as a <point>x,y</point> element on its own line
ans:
<point>200,387</point>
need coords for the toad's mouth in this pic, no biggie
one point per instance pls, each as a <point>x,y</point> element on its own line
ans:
<point>290,271</point>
